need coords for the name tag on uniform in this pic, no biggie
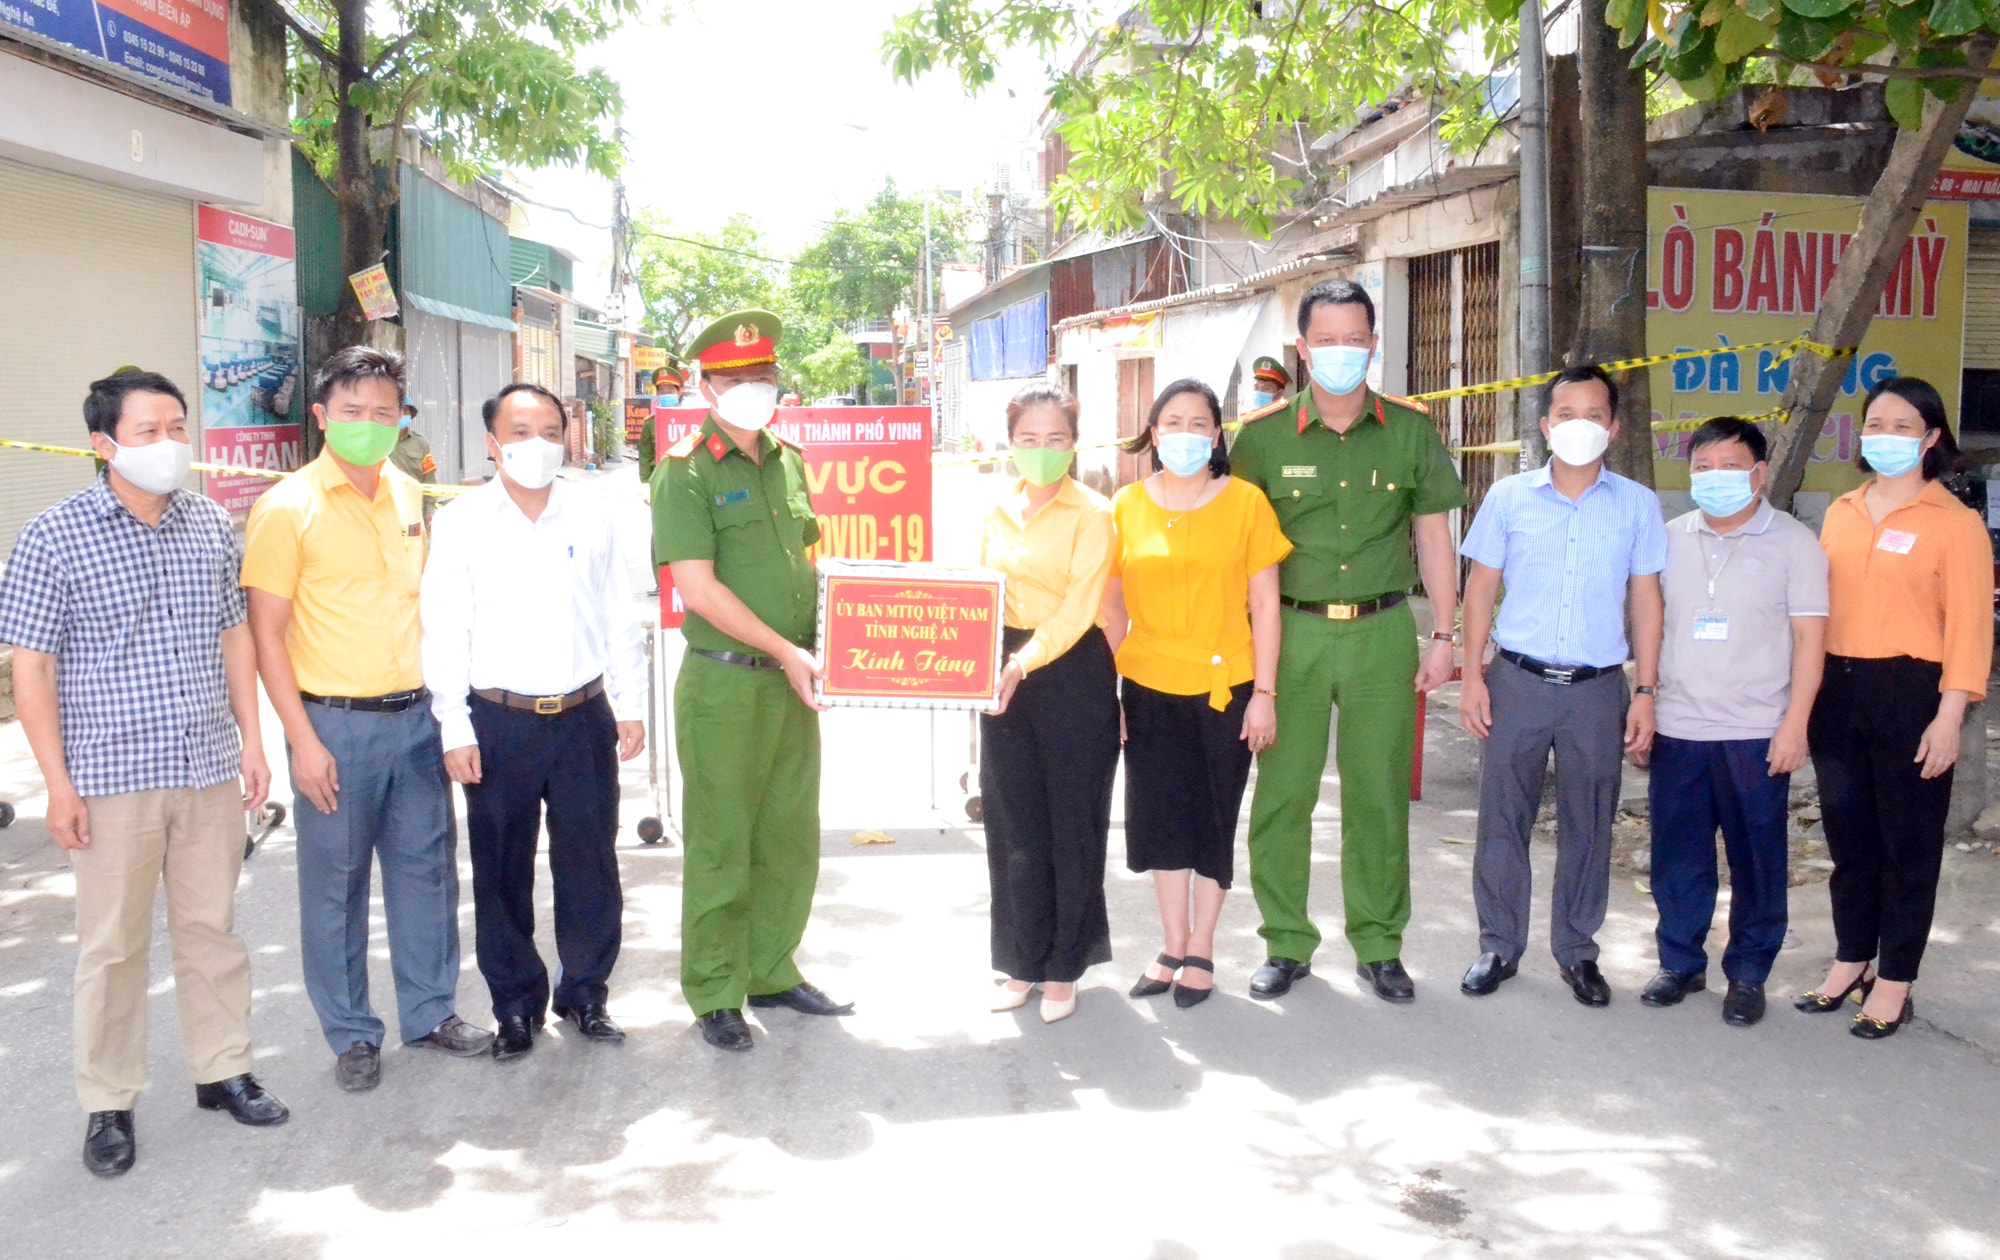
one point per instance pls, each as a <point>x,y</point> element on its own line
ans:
<point>416,530</point>
<point>733,496</point>
<point>1896,540</point>
<point>1711,628</point>
<point>1301,470</point>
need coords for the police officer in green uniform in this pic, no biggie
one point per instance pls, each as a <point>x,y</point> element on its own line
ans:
<point>412,452</point>
<point>667,383</point>
<point>1270,382</point>
<point>1353,476</point>
<point>732,516</point>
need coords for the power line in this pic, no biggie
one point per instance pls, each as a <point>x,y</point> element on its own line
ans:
<point>782,262</point>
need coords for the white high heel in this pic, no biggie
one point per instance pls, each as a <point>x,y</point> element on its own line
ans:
<point>1054,1011</point>
<point>1011,999</point>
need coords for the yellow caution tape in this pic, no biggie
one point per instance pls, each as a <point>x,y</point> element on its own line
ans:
<point>1789,346</point>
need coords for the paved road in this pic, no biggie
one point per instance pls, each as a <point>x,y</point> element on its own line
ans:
<point>1326,1125</point>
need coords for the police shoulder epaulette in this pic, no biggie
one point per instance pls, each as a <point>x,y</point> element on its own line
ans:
<point>685,447</point>
<point>1268,409</point>
<point>782,440</point>
<point>1411,403</point>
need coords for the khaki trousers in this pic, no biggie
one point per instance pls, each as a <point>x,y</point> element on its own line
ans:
<point>194,838</point>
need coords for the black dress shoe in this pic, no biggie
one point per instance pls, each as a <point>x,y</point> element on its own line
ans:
<point>1390,982</point>
<point>804,999</point>
<point>1743,1005</point>
<point>1275,978</point>
<point>1669,987</point>
<point>244,1099</point>
<point>1587,982</point>
<point>592,1020</point>
<point>108,1145</point>
<point>725,1030</point>
<point>358,1068</point>
<point>1186,995</point>
<point>1485,975</point>
<point>515,1038</point>
<point>1868,1028</point>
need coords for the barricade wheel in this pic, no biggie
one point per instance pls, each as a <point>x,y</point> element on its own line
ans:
<point>975,809</point>
<point>650,831</point>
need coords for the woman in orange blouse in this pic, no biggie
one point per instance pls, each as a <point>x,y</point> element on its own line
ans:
<point>1192,612</point>
<point>1908,646</point>
<point>1048,756</point>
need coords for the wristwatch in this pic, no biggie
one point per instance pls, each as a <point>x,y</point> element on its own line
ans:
<point>1646,691</point>
<point>1443,636</point>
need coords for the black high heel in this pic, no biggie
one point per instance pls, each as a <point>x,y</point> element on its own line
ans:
<point>1868,1028</point>
<point>1185,997</point>
<point>1149,987</point>
<point>1813,1002</point>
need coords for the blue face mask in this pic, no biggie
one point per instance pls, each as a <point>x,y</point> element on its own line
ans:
<point>1721,492</point>
<point>404,423</point>
<point>1185,454</point>
<point>1340,369</point>
<point>1891,454</point>
<point>666,400</point>
<point>1262,398</point>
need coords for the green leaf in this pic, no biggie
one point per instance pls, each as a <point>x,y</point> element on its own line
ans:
<point>1708,85</point>
<point>1761,9</point>
<point>1819,9</point>
<point>1905,26</point>
<point>1622,13</point>
<point>1803,39</point>
<point>1950,19</point>
<point>1905,99</point>
<point>1503,11</point>
<point>1693,53</point>
<point>1739,35</point>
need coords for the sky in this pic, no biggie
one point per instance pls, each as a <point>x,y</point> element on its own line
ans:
<point>783,110</point>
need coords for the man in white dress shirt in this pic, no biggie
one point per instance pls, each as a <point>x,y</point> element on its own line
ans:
<point>537,671</point>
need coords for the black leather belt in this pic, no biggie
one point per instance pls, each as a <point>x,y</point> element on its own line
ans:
<point>547,706</point>
<point>1344,612</point>
<point>739,658</point>
<point>371,704</point>
<point>1560,675</point>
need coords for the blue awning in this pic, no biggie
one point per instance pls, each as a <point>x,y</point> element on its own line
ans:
<point>463,314</point>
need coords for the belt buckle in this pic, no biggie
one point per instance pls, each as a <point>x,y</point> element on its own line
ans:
<point>1342,612</point>
<point>1560,677</point>
<point>548,706</point>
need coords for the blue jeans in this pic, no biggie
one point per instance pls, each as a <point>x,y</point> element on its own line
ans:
<point>1698,786</point>
<point>394,807</point>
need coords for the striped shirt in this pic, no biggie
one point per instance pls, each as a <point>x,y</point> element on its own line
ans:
<point>134,616</point>
<point>1565,564</point>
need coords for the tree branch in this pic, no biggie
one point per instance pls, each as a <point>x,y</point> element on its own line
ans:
<point>1883,72</point>
<point>314,42</point>
<point>390,53</point>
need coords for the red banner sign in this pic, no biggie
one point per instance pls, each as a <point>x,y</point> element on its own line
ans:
<point>868,470</point>
<point>909,636</point>
<point>637,411</point>
<point>272,446</point>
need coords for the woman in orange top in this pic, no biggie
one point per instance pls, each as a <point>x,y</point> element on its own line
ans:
<point>1192,612</point>
<point>1049,755</point>
<point>1908,645</point>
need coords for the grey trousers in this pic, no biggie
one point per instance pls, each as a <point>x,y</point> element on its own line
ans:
<point>1585,724</point>
<point>394,808</point>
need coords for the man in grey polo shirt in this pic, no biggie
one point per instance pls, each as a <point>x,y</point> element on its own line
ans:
<point>1745,589</point>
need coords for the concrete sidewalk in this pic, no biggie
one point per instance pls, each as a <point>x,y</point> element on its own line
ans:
<point>1329,1124</point>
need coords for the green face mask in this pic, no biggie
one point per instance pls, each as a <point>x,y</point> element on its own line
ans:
<point>1040,465</point>
<point>362,443</point>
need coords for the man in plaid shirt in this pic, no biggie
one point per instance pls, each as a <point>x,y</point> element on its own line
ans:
<point>136,682</point>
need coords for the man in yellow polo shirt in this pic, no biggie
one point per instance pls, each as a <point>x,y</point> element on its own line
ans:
<point>332,563</point>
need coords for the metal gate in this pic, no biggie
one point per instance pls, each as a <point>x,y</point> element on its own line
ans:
<point>1454,339</point>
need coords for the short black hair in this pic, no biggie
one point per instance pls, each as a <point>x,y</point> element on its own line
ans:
<point>491,407</point>
<point>1943,456</point>
<point>346,368</point>
<point>1731,429</point>
<point>1577,374</point>
<point>106,400</point>
<point>1142,441</point>
<point>1335,292</point>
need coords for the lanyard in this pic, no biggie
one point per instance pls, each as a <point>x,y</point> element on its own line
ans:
<point>1716,575</point>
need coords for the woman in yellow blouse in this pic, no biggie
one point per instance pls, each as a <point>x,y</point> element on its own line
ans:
<point>1048,756</point>
<point>1192,614</point>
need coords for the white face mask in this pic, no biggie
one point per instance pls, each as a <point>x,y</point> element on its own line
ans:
<point>157,467</point>
<point>748,406</point>
<point>532,462</point>
<point>1578,442</point>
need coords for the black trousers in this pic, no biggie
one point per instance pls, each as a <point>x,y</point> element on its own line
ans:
<point>569,763</point>
<point>1045,771</point>
<point>1884,822</point>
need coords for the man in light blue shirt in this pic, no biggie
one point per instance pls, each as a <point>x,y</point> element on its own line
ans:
<point>1571,540</point>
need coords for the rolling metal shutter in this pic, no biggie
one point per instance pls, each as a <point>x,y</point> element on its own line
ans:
<point>1982,301</point>
<point>98,277</point>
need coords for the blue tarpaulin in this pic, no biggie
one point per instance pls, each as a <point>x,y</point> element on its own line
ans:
<point>1014,343</point>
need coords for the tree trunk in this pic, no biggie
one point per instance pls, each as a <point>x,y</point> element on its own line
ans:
<point>1849,305</point>
<point>364,201</point>
<point>1611,319</point>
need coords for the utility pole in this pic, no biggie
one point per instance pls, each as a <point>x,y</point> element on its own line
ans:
<point>1532,328</point>
<point>929,324</point>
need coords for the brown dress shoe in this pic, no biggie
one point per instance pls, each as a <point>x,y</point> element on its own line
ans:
<point>358,1068</point>
<point>455,1036</point>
